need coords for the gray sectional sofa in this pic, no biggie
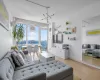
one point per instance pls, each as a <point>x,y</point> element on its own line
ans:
<point>52,70</point>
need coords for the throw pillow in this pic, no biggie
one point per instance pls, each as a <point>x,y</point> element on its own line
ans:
<point>23,55</point>
<point>15,60</point>
<point>20,59</point>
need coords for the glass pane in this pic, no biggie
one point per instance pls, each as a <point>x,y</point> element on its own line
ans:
<point>23,41</point>
<point>33,36</point>
<point>44,39</point>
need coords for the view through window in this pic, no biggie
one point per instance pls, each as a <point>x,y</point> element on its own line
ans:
<point>32,37</point>
<point>44,39</point>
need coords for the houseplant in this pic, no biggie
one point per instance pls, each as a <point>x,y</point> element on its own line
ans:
<point>14,48</point>
<point>18,33</point>
<point>67,23</point>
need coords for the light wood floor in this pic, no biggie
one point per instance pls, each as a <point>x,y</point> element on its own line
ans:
<point>82,71</point>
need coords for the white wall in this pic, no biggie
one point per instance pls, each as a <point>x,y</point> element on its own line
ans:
<point>90,39</point>
<point>5,39</point>
<point>76,20</point>
<point>87,12</point>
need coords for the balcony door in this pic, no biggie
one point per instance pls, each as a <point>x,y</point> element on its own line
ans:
<point>35,36</point>
<point>44,40</point>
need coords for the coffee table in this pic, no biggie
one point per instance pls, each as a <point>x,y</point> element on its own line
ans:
<point>45,57</point>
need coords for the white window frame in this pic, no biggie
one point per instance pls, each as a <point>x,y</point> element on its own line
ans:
<point>39,36</point>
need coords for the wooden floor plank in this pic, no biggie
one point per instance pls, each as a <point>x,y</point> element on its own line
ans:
<point>82,71</point>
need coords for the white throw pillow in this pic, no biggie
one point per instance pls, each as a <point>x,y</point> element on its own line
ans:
<point>20,59</point>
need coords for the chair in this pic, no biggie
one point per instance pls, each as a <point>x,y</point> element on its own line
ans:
<point>32,51</point>
<point>29,48</point>
<point>36,49</point>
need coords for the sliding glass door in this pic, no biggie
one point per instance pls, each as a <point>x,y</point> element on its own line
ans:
<point>34,36</point>
<point>44,34</point>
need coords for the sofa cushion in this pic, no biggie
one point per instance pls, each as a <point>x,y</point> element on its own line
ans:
<point>28,64</point>
<point>6,71</point>
<point>23,55</point>
<point>22,76</point>
<point>8,55</point>
<point>20,59</point>
<point>54,70</point>
<point>15,59</point>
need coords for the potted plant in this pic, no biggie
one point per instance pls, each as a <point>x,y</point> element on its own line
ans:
<point>14,48</point>
<point>18,33</point>
<point>67,23</point>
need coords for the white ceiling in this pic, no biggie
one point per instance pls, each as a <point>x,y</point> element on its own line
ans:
<point>61,8</point>
<point>94,19</point>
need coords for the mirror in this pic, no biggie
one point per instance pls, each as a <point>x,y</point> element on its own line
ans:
<point>58,38</point>
<point>91,41</point>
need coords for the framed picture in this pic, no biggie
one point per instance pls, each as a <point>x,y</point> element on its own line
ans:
<point>93,32</point>
<point>4,17</point>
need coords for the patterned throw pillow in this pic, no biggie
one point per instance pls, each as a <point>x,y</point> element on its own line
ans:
<point>23,55</point>
<point>15,60</point>
<point>20,59</point>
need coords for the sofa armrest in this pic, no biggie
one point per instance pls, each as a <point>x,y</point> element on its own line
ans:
<point>40,76</point>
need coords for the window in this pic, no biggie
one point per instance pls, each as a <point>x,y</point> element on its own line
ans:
<point>31,36</point>
<point>22,42</point>
<point>44,39</point>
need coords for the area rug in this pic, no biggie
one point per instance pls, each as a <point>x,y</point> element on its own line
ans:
<point>76,78</point>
